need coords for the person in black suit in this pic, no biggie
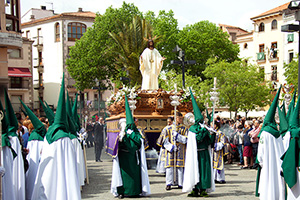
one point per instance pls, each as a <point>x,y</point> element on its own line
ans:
<point>99,135</point>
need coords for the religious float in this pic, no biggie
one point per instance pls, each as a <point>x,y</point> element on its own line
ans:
<point>151,108</point>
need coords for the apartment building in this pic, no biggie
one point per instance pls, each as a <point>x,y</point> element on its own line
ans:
<point>10,38</point>
<point>53,35</point>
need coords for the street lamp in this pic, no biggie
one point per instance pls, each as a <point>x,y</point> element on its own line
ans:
<point>294,5</point>
<point>182,62</point>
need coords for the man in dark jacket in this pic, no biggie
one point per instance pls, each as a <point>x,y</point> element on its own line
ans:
<point>99,137</point>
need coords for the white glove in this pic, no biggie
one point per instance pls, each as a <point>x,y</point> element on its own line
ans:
<point>129,131</point>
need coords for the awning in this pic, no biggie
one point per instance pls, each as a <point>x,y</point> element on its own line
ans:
<point>19,72</point>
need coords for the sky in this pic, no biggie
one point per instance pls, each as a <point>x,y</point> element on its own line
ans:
<point>229,12</point>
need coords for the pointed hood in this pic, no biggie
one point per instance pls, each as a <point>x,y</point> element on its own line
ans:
<point>75,114</point>
<point>283,108</point>
<point>5,139</point>
<point>129,119</point>
<point>196,127</point>
<point>269,124</point>
<point>291,107</point>
<point>283,124</point>
<point>39,131</point>
<point>208,117</point>
<point>12,120</point>
<point>197,113</point>
<point>291,158</point>
<point>59,128</point>
<point>49,114</point>
<point>72,124</point>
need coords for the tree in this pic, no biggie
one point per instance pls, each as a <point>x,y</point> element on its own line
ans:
<point>239,85</point>
<point>291,73</point>
<point>164,26</point>
<point>131,41</point>
<point>93,55</point>
<point>202,41</point>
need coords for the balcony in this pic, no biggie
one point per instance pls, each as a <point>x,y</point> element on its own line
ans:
<point>11,40</point>
<point>261,57</point>
<point>273,76</point>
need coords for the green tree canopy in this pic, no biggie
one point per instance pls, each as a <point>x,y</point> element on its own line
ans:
<point>110,49</point>
<point>202,41</point>
<point>93,55</point>
<point>291,73</point>
<point>238,83</point>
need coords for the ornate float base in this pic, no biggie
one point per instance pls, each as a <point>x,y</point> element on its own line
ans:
<point>152,110</point>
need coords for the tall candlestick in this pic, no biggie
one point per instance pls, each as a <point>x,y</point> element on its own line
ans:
<point>175,86</point>
<point>215,81</point>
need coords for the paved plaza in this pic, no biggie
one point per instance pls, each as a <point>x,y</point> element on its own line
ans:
<point>240,183</point>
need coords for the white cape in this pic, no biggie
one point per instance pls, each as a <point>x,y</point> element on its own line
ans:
<point>57,176</point>
<point>7,184</point>
<point>191,170</point>
<point>116,180</point>
<point>80,161</point>
<point>270,150</point>
<point>294,192</point>
<point>35,148</point>
<point>18,169</point>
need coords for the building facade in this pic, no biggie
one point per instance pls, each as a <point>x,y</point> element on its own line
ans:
<point>10,38</point>
<point>20,75</point>
<point>53,35</point>
<point>269,47</point>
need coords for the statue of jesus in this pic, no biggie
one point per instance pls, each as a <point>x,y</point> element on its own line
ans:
<point>151,63</point>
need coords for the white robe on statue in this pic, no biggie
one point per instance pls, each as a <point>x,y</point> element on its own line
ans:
<point>191,171</point>
<point>57,176</point>
<point>270,150</point>
<point>80,161</point>
<point>18,169</point>
<point>7,184</point>
<point>33,157</point>
<point>116,180</point>
<point>150,67</point>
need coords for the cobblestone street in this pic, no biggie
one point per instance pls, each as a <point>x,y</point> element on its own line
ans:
<point>240,183</point>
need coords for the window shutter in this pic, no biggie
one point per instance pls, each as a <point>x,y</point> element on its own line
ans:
<point>290,37</point>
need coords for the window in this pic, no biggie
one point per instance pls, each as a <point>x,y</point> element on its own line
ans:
<point>261,54</point>
<point>261,48</point>
<point>274,73</point>
<point>245,46</point>
<point>75,31</point>
<point>274,24</point>
<point>273,50</point>
<point>290,37</point>
<point>12,16</point>
<point>291,56</point>
<point>15,53</point>
<point>16,82</point>
<point>261,27</point>
<point>57,32</point>
<point>28,34</point>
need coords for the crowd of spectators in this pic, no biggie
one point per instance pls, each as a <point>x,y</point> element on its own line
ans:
<point>242,140</point>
